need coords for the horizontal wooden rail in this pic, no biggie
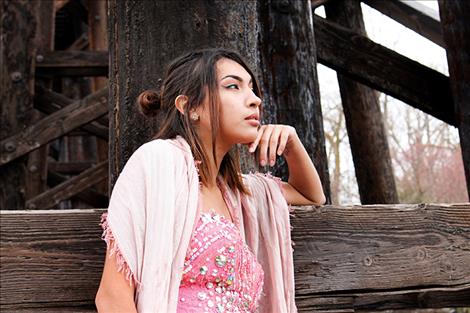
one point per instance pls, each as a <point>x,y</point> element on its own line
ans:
<point>72,63</point>
<point>346,258</point>
<point>378,67</point>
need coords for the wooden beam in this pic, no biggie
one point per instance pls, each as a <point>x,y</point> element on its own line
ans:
<point>55,125</point>
<point>72,63</point>
<point>98,35</point>
<point>44,104</point>
<point>286,42</point>
<point>375,256</point>
<point>413,15</point>
<point>91,196</point>
<point>69,188</point>
<point>352,258</point>
<point>17,33</point>
<point>316,3</point>
<point>373,65</point>
<point>372,161</point>
<point>63,101</point>
<point>455,16</point>
<point>69,167</point>
<point>213,24</point>
<point>36,176</point>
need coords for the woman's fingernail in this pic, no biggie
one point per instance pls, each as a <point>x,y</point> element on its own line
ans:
<point>263,162</point>
<point>271,163</point>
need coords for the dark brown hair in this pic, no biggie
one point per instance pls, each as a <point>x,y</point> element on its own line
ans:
<point>194,74</point>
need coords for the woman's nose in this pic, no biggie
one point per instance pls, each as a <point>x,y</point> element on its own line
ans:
<point>255,100</point>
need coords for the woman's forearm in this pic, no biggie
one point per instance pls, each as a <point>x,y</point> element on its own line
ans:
<point>303,175</point>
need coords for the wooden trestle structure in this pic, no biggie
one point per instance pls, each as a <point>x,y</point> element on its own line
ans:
<point>66,132</point>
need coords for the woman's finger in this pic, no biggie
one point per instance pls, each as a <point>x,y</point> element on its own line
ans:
<point>283,141</point>
<point>254,144</point>
<point>264,144</point>
<point>273,143</point>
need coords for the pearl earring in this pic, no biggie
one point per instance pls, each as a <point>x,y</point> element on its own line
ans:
<point>194,116</point>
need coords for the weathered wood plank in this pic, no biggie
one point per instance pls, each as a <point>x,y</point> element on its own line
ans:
<point>383,69</point>
<point>98,38</point>
<point>44,104</point>
<point>94,198</point>
<point>36,175</point>
<point>17,33</point>
<point>72,63</point>
<point>290,80</point>
<point>69,188</point>
<point>63,101</point>
<point>372,161</point>
<point>69,167</point>
<point>413,15</point>
<point>391,250</point>
<point>455,16</point>
<point>356,257</point>
<point>55,125</point>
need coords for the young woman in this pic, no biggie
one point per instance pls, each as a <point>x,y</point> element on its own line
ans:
<point>186,231</point>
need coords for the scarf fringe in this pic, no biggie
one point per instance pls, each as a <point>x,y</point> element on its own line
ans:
<point>113,247</point>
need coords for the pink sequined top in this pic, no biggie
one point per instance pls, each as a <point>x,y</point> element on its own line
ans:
<point>220,273</point>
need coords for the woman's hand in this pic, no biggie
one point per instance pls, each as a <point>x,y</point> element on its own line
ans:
<point>303,186</point>
<point>273,139</point>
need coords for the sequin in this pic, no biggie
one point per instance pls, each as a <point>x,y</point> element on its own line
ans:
<point>201,295</point>
<point>220,272</point>
<point>203,270</point>
<point>221,260</point>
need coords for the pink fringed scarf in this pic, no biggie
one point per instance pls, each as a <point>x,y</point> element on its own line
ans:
<point>152,213</point>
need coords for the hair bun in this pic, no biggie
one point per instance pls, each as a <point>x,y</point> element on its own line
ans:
<point>149,102</point>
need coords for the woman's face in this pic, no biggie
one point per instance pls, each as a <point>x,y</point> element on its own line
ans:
<point>239,106</point>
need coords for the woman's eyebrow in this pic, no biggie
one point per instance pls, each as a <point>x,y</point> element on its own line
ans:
<point>237,78</point>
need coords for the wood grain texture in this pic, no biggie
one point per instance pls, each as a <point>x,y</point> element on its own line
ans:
<point>72,63</point>
<point>17,33</point>
<point>55,125</point>
<point>357,254</point>
<point>290,80</point>
<point>455,27</point>
<point>346,258</point>
<point>69,188</point>
<point>143,40</point>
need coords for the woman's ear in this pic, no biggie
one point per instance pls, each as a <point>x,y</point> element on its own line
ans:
<point>180,103</point>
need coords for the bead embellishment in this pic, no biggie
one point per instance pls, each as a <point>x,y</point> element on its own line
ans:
<point>230,280</point>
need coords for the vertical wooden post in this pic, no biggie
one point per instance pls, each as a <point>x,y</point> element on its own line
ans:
<point>36,173</point>
<point>144,36</point>
<point>17,30</point>
<point>367,137</point>
<point>288,60</point>
<point>455,17</point>
<point>98,41</point>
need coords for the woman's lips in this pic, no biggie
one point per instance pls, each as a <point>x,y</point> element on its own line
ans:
<point>253,121</point>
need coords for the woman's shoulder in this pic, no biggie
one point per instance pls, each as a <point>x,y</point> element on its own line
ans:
<point>163,147</point>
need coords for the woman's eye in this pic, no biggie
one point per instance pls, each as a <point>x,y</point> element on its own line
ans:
<point>232,86</point>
